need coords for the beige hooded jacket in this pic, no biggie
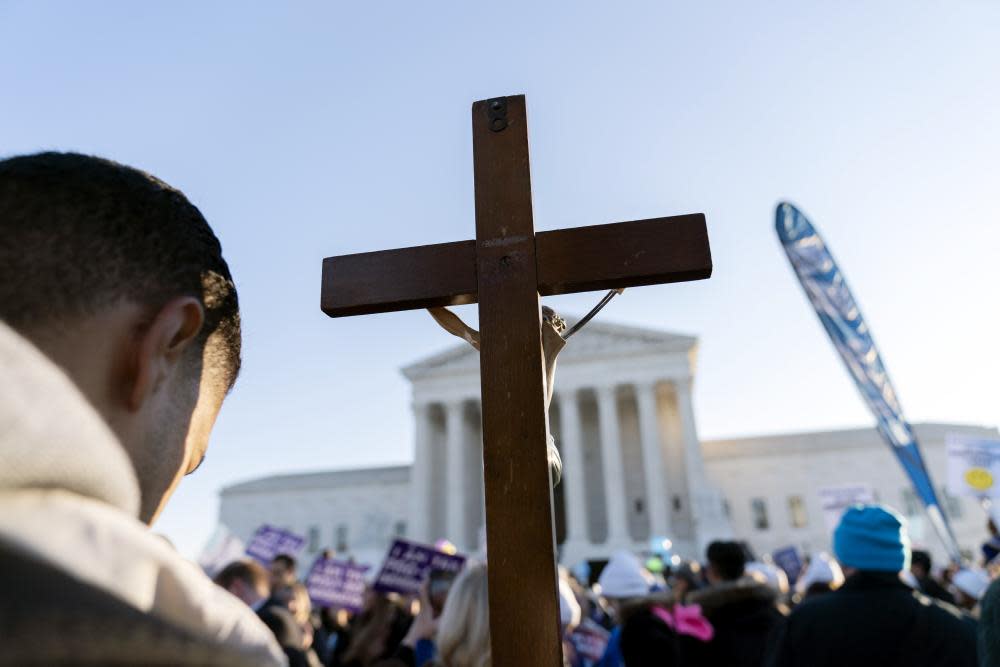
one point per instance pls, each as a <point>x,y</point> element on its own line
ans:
<point>82,580</point>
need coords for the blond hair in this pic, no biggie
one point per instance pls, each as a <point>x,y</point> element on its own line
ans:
<point>463,636</point>
<point>303,605</point>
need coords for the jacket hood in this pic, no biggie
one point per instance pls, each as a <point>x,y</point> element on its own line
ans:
<point>51,437</point>
<point>744,589</point>
<point>69,502</point>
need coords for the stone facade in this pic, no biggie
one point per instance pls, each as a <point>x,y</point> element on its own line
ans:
<point>623,420</point>
<point>355,512</point>
<point>634,467</point>
<point>771,484</point>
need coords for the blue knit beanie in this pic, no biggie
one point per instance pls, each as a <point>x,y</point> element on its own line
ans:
<point>872,537</point>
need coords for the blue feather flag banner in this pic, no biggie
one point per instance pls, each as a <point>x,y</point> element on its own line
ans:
<point>830,296</point>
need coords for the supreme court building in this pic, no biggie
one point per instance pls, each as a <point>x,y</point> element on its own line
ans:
<point>634,468</point>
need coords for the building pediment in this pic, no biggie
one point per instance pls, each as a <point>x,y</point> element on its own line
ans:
<point>598,340</point>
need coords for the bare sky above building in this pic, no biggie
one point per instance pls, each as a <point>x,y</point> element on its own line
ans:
<point>310,129</point>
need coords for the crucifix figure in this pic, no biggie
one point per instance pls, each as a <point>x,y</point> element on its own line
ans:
<point>554,337</point>
<point>505,269</point>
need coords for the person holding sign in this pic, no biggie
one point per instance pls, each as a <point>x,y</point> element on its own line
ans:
<point>460,635</point>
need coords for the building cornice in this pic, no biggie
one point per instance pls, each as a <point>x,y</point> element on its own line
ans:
<point>396,474</point>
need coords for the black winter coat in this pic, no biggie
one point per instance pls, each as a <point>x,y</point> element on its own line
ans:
<point>646,641</point>
<point>743,614</point>
<point>875,619</point>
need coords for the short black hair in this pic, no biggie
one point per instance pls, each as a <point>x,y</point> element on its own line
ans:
<point>921,559</point>
<point>81,232</point>
<point>728,559</point>
<point>285,559</point>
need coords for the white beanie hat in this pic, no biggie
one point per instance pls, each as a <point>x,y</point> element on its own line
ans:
<point>624,577</point>
<point>971,582</point>
<point>569,608</point>
<point>772,575</point>
<point>823,569</point>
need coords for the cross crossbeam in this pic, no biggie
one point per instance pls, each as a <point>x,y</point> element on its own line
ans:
<point>579,259</point>
<point>505,269</point>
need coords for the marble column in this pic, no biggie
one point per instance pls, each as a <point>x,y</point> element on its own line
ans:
<point>658,499</point>
<point>708,518</point>
<point>614,469</point>
<point>455,500</point>
<point>693,465</point>
<point>574,475</point>
<point>420,512</point>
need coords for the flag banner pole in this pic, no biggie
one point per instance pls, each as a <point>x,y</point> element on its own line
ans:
<point>827,290</point>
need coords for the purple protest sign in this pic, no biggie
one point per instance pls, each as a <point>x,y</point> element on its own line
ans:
<point>788,559</point>
<point>588,643</point>
<point>336,583</point>
<point>407,565</point>
<point>269,541</point>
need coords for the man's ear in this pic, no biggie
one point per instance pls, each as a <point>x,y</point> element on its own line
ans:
<point>162,344</point>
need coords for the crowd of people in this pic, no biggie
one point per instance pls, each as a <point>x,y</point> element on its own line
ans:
<point>119,341</point>
<point>389,630</point>
<point>874,602</point>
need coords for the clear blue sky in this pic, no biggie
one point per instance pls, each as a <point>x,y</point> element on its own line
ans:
<point>311,129</point>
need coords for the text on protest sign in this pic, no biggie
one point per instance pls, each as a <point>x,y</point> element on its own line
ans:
<point>789,560</point>
<point>973,466</point>
<point>270,541</point>
<point>222,550</point>
<point>836,499</point>
<point>334,583</point>
<point>407,565</point>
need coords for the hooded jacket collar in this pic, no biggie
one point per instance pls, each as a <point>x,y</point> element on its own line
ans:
<point>69,500</point>
<point>865,580</point>
<point>51,437</point>
<point>727,593</point>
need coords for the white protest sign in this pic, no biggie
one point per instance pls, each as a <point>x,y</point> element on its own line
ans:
<point>222,549</point>
<point>973,466</point>
<point>835,499</point>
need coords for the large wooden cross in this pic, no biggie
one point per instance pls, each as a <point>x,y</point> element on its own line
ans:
<point>506,268</point>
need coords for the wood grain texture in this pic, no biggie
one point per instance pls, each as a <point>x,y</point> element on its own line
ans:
<point>524,608</point>
<point>624,254</point>
<point>402,279</point>
<point>505,269</point>
<point>580,259</point>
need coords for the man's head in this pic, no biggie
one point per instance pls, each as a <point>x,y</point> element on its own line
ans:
<point>920,564</point>
<point>685,578</point>
<point>246,580</point>
<point>118,278</point>
<point>872,538</point>
<point>726,561</point>
<point>283,571</point>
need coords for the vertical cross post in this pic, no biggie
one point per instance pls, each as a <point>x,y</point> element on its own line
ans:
<point>519,527</point>
<point>505,269</point>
